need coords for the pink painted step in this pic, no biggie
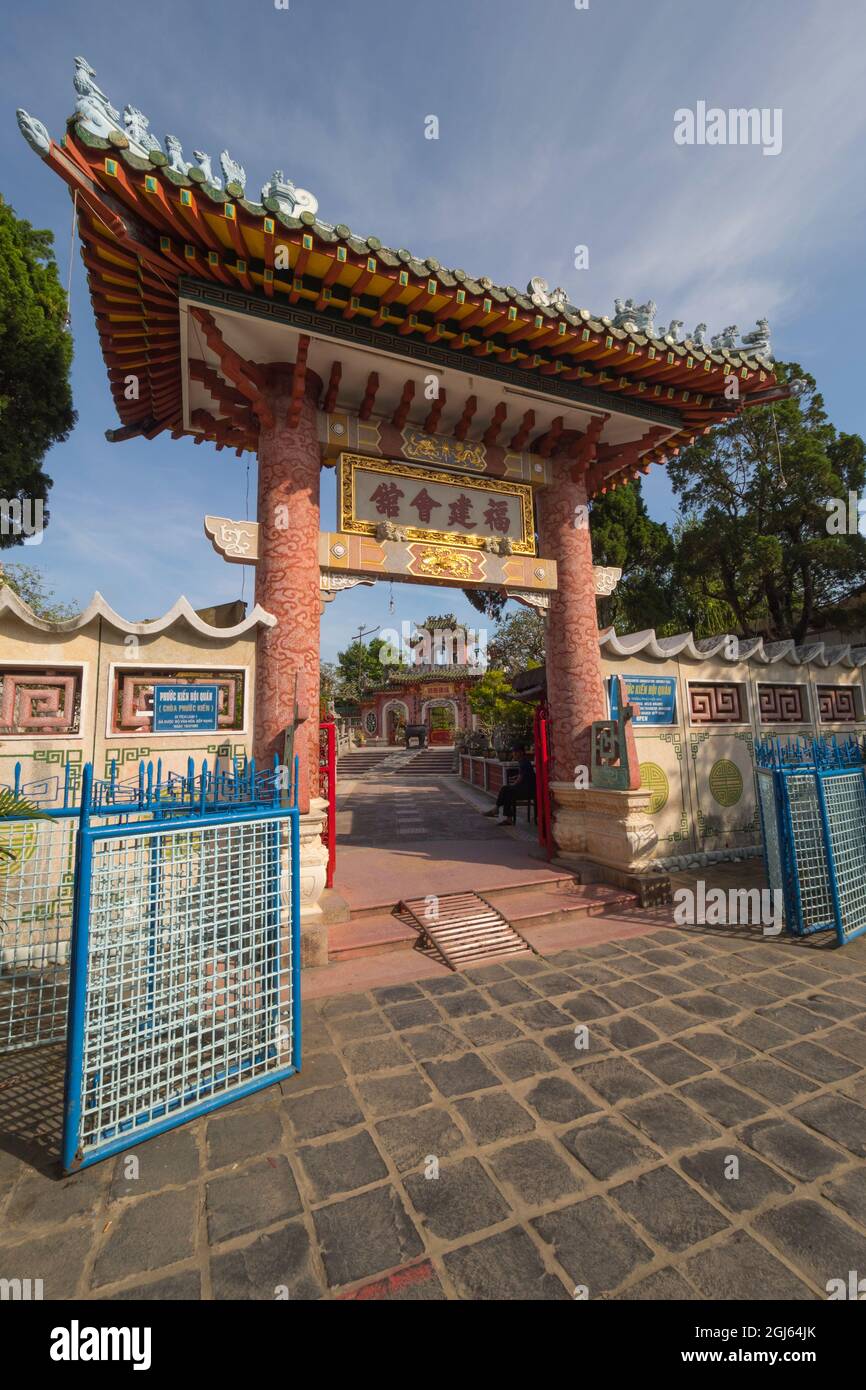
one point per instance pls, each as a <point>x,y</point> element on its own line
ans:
<point>564,903</point>
<point>545,906</point>
<point>369,936</point>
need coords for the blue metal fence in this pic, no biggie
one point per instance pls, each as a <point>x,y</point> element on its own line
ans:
<point>155,929</point>
<point>812,798</point>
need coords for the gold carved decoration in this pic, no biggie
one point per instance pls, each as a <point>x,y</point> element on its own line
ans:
<point>435,561</point>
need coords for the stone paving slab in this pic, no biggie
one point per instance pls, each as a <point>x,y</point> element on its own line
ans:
<point>679,1114</point>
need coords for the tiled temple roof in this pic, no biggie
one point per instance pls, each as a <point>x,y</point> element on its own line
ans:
<point>424,674</point>
<point>148,218</point>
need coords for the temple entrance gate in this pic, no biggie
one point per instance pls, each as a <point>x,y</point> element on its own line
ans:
<point>472,424</point>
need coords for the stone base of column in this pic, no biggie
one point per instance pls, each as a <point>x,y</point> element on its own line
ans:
<point>611,828</point>
<point>313,875</point>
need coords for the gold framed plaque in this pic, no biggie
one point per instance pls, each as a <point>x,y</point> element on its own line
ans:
<point>377,496</point>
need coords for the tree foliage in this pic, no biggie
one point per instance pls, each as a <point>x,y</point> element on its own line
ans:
<point>29,583</point>
<point>517,642</point>
<point>360,669</point>
<point>35,357</point>
<point>492,701</point>
<point>755,537</point>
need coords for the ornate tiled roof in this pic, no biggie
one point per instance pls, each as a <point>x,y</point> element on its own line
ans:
<point>415,675</point>
<point>149,219</point>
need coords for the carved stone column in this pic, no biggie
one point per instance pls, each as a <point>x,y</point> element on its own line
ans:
<point>287,579</point>
<point>574,680</point>
<point>287,585</point>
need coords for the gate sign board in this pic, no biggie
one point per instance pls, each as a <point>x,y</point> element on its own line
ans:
<point>179,709</point>
<point>424,505</point>
<point>654,698</point>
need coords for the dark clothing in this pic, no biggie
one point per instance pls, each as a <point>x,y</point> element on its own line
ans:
<point>522,789</point>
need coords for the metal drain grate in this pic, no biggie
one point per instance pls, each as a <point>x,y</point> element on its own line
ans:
<point>463,929</point>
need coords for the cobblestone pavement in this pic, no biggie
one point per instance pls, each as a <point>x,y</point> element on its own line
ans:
<point>708,1144</point>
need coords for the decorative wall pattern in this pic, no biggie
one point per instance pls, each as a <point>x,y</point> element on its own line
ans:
<point>716,703</point>
<point>39,701</point>
<point>653,778</point>
<point>726,782</point>
<point>782,704</point>
<point>837,704</point>
<point>133,696</point>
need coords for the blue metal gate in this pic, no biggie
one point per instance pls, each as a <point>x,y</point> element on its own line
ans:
<point>156,929</point>
<point>812,798</point>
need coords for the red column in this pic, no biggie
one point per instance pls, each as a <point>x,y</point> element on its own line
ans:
<point>287,580</point>
<point>574,679</point>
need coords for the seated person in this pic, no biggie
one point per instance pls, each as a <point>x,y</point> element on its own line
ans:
<point>520,790</point>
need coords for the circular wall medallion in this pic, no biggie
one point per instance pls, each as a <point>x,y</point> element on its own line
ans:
<point>337,428</point>
<point>338,550</point>
<point>726,782</point>
<point>20,839</point>
<point>653,778</point>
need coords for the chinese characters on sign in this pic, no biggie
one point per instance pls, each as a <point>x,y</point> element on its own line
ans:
<point>434,506</point>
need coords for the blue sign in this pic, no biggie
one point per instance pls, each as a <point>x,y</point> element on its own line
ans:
<point>654,698</point>
<point>181,709</point>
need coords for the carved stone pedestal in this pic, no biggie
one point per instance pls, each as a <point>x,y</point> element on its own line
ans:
<point>313,873</point>
<point>612,828</point>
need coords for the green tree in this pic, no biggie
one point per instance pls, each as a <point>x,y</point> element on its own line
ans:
<point>625,537</point>
<point>756,538</point>
<point>35,357</point>
<point>517,642</point>
<point>29,583</point>
<point>501,717</point>
<point>360,669</point>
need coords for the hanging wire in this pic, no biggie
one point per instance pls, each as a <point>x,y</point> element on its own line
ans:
<point>72,231</point>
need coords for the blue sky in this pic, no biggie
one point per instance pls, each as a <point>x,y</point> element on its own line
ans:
<point>556,129</point>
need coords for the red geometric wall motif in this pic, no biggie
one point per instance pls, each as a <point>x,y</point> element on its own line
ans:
<point>837,704</point>
<point>715,704</point>
<point>40,702</point>
<point>133,704</point>
<point>781,704</point>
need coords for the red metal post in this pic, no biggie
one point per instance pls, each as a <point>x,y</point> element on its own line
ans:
<point>328,790</point>
<point>542,777</point>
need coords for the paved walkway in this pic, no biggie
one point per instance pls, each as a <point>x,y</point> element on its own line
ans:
<point>401,840</point>
<point>446,1139</point>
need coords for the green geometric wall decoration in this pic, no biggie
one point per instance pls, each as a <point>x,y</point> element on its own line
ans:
<point>653,778</point>
<point>726,782</point>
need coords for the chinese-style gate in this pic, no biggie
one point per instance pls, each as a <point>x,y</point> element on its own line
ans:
<point>252,324</point>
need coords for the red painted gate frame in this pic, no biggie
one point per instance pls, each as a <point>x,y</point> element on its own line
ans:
<point>328,790</point>
<point>542,777</point>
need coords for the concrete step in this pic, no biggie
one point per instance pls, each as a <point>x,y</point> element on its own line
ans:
<point>562,904</point>
<point>369,936</point>
<point>383,907</point>
<point>542,907</point>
